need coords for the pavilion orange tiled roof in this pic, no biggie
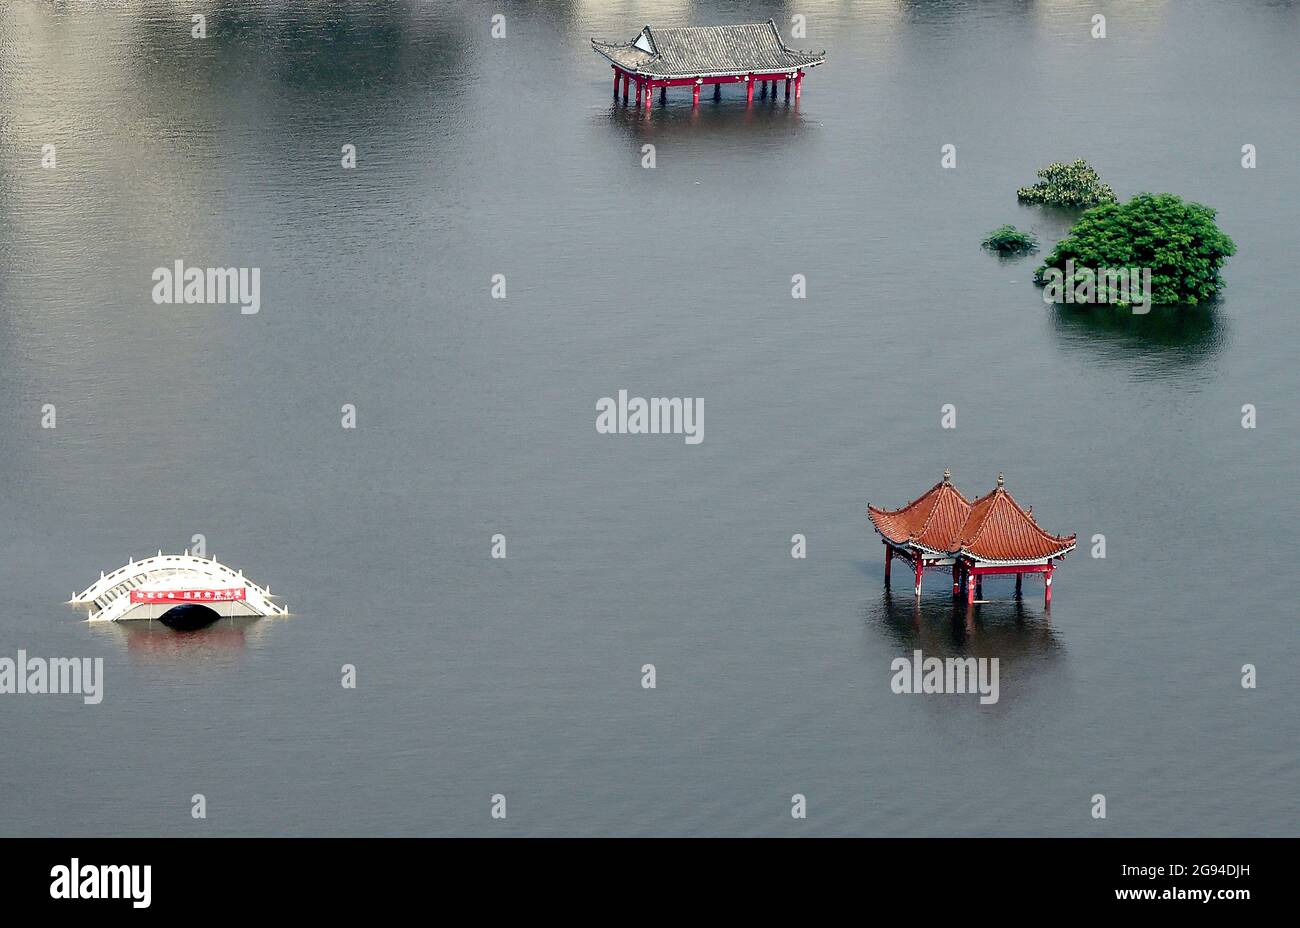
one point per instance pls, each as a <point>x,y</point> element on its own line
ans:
<point>992,529</point>
<point>930,521</point>
<point>997,529</point>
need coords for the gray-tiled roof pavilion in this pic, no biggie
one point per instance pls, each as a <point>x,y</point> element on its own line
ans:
<point>707,51</point>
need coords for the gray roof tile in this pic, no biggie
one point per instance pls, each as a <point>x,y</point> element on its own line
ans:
<point>698,51</point>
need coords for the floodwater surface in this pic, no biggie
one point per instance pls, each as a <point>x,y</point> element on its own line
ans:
<point>474,416</point>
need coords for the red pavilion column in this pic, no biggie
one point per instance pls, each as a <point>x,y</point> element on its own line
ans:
<point>798,83</point>
<point>625,82</point>
<point>615,82</point>
<point>749,89</point>
<point>970,589</point>
<point>1047,586</point>
<point>920,569</point>
<point>638,92</point>
<point>695,94</point>
<point>649,93</point>
<point>956,579</point>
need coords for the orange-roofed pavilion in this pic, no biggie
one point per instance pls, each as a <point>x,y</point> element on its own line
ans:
<point>921,531</point>
<point>991,535</point>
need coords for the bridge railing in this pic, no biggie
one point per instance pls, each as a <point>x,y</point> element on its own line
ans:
<point>110,588</point>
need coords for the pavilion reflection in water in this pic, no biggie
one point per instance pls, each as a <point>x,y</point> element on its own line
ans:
<point>1008,630</point>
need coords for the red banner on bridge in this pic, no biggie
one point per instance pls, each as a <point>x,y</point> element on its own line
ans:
<point>187,596</point>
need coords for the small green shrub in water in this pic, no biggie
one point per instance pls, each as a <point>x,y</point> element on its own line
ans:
<point>1008,240</point>
<point>1075,185</point>
<point>1178,241</point>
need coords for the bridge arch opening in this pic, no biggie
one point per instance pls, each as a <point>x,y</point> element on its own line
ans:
<point>189,617</point>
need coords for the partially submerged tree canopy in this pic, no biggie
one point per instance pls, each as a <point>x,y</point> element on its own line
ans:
<point>1008,240</point>
<point>1178,241</point>
<point>1075,184</point>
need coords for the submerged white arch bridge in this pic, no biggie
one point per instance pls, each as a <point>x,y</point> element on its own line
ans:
<point>147,588</point>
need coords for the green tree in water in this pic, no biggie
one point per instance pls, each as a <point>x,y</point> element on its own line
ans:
<point>1008,240</point>
<point>1075,185</point>
<point>1178,241</point>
